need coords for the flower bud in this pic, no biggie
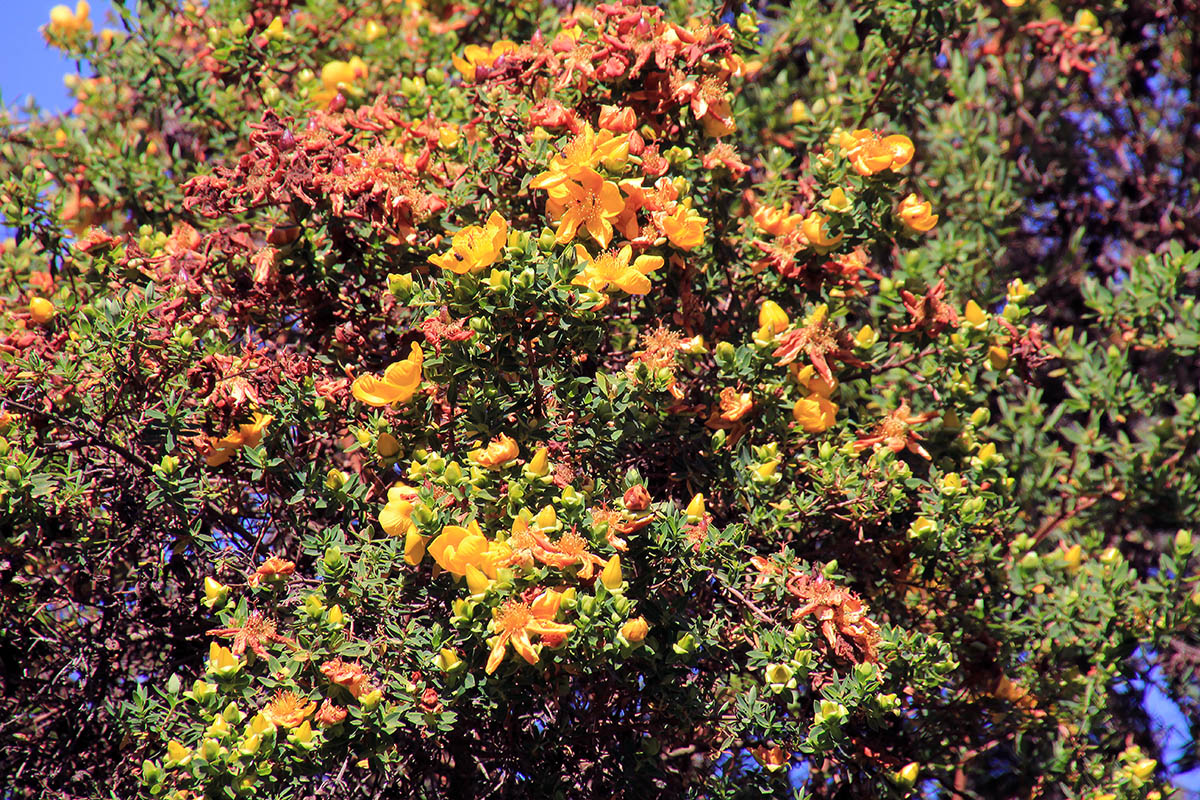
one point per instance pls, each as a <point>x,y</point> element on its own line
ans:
<point>41,310</point>
<point>636,498</point>
<point>634,631</point>
<point>612,577</point>
<point>448,660</point>
<point>215,593</point>
<point>335,479</point>
<point>695,509</point>
<point>686,645</point>
<point>772,317</point>
<point>906,776</point>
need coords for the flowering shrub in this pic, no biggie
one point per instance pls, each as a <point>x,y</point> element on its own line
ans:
<point>430,399</point>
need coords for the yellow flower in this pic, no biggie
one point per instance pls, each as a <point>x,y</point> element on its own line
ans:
<point>611,576</point>
<point>869,153</point>
<point>475,247</point>
<point>275,30</point>
<point>976,317</point>
<point>586,151</point>
<point>917,214</point>
<point>222,662</point>
<point>584,200</point>
<point>685,228</point>
<point>339,76</point>
<point>64,22</point>
<point>773,318</point>
<point>815,413</point>
<point>177,754</point>
<point>613,269</point>
<point>634,631</point>
<point>447,659</point>
<point>245,436</point>
<point>499,452</point>
<point>695,509</point>
<point>457,548</point>
<point>539,465</point>
<point>838,201</point>
<point>515,621</point>
<point>304,736</point>
<point>396,516</point>
<point>866,337</point>
<point>288,709</point>
<point>814,228</point>
<point>475,56</point>
<point>41,310</point>
<point>448,137</point>
<point>776,221</point>
<point>398,385</point>
<point>1018,291</point>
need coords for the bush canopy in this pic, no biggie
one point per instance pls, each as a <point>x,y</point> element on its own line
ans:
<point>415,398</point>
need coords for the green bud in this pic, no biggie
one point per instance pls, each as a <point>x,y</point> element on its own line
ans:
<point>335,479</point>
<point>152,773</point>
<point>747,23</point>
<point>12,473</point>
<point>232,714</point>
<point>435,76</point>
<point>686,645</point>
<point>1183,542</point>
<point>453,475</point>
<point>400,285</point>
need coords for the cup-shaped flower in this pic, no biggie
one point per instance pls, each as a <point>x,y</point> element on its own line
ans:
<point>816,230</point>
<point>815,413</point>
<point>917,214</point>
<point>398,384</point>
<point>499,452</point>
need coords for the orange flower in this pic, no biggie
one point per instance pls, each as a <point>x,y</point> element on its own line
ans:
<point>64,22</point>
<point>530,543</point>
<point>618,119</point>
<point>475,56</point>
<point>772,758</point>
<point>684,227</point>
<point>272,569</point>
<point>475,247</point>
<point>586,201</point>
<point>398,385</point>
<point>776,221</point>
<point>870,154</point>
<point>814,228</point>
<point>288,709</point>
<point>349,676</point>
<point>515,621</point>
<point>329,714</point>
<point>917,214</point>
<point>894,432</point>
<point>255,633</point>
<point>735,404</point>
<point>499,452</point>
<point>246,435</point>
<point>613,269</point>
